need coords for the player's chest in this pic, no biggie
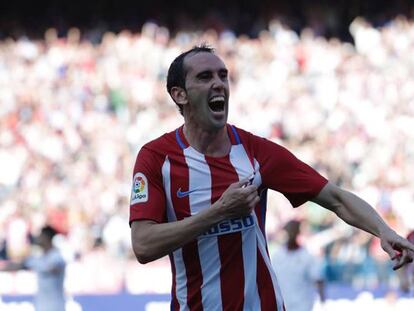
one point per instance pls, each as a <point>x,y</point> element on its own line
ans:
<point>194,181</point>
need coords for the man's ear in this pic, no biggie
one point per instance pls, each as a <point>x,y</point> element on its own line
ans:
<point>179,95</point>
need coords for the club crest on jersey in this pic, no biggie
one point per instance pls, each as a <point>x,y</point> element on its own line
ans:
<point>139,191</point>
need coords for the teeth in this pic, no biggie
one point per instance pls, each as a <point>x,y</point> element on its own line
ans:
<point>217,99</point>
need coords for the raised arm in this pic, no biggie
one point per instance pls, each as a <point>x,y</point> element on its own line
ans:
<point>358,213</point>
<point>152,240</point>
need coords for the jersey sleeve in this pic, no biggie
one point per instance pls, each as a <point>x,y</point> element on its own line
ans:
<point>283,172</point>
<point>147,193</point>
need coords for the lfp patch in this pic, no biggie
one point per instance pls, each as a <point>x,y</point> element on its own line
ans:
<point>139,191</point>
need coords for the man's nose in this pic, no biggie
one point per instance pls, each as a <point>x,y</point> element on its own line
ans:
<point>218,83</point>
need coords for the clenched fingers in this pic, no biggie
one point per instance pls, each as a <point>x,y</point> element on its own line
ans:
<point>403,258</point>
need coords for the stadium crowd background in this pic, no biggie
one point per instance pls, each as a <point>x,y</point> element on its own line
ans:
<point>77,104</point>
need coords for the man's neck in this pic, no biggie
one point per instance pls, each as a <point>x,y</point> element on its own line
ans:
<point>211,143</point>
<point>292,245</point>
<point>47,249</point>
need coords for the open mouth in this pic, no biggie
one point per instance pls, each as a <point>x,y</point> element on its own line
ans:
<point>217,103</point>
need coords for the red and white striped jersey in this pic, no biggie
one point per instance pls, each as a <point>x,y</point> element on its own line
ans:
<point>227,267</point>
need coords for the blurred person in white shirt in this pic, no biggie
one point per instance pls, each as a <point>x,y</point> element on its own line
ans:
<point>50,270</point>
<point>299,273</point>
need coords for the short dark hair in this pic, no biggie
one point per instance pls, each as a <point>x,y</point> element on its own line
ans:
<point>176,73</point>
<point>49,231</point>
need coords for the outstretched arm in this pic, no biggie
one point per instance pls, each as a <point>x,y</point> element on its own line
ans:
<point>358,213</point>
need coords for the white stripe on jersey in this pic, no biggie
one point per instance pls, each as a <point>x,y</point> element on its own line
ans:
<point>241,162</point>
<point>199,180</point>
<point>251,293</point>
<point>258,177</point>
<point>180,272</point>
<point>209,254</point>
<point>167,186</point>
<point>180,280</point>
<point>210,266</point>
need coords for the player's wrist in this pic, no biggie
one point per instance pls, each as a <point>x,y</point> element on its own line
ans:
<point>219,213</point>
<point>384,231</point>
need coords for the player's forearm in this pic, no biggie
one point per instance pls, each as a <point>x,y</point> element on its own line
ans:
<point>358,213</point>
<point>151,240</point>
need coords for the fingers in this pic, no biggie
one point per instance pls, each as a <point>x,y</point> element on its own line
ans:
<point>252,198</point>
<point>404,258</point>
<point>239,184</point>
<point>239,199</point>
<point>249,190</point>
<point>399,250</point>
<point>390,251</point>
<point>243,189</point>
<point>243,182</point>
<point>255,201</point>
<point>249,207</point>
<point>407,244</point>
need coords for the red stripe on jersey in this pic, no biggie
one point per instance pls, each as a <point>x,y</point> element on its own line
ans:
<point>260,210</point>
<point>179,176</point>
<point>194,276</point>
<point>174,302</point>
<point>230,245</point>
<point>232,271</point>
<point>265,285</point>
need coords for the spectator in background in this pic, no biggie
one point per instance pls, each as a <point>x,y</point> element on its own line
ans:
<point>50,270</point>
<point>299,273</point>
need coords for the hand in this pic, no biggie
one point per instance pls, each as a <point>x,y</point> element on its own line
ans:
<point>239,199</point>
<point>399,249</point>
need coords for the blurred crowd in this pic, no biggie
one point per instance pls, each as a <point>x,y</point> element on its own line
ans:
<point>73,115</point>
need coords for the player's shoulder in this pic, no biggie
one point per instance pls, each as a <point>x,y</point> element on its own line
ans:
<point>162,145</point>
<point>153,153</point>
<point>243,135</point>
<point>259,143</point>
<point>247,135</point>
<point>239,131</point>
<point>162,142</point>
